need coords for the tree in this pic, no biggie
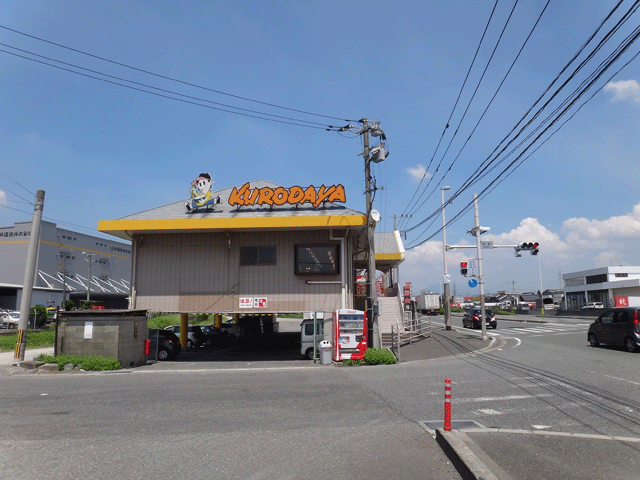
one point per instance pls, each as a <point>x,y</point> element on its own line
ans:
<point>40,312</point>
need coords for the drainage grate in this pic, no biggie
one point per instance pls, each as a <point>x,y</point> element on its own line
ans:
<point>431,425</point>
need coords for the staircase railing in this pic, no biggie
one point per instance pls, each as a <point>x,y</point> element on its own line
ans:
<point>408,332</point>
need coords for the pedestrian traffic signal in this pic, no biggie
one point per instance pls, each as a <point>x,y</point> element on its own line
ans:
<point>463,268</point>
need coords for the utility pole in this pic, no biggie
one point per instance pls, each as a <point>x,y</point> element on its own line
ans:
<point>477,232</point>
<point>372,325</point>
<point>29,274</point>
<point>445,277</point>
<point>376,154</point>
<point>89,259</point>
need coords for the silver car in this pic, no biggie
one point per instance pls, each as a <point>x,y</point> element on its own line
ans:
<point>9,319</point>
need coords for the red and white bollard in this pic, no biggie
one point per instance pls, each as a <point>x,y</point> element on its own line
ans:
<point>447,404</point>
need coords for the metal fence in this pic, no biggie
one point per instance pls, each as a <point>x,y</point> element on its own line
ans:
<point>409,331</point>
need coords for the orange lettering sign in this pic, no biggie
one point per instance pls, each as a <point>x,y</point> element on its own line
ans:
<point>245,195</point>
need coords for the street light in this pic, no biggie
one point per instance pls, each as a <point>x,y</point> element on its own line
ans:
<point>90,255</point>
<point>445,277</point>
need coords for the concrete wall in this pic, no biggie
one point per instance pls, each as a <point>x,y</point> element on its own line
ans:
<point>107,333</point>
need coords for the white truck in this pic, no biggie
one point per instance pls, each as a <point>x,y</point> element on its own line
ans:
<point>307,336</point>
<point>428,303</point>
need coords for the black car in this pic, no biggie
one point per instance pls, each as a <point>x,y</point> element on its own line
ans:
<point>214,336</point>
<point>195,337</point>
<point>616,326</point>
<point>168,343</point>
<point>473,318</point>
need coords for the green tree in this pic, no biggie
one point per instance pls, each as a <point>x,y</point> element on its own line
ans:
<point>40,311</point>
<point>87,305</point>
<point>68,305</point>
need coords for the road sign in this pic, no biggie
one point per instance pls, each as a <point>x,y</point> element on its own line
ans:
<point>486,244</point>
<point>473,283</point>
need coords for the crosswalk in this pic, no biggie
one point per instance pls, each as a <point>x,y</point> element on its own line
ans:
<point>542,329</point>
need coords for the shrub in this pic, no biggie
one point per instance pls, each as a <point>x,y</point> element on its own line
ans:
<point>87,305</point>
<point>68,305</point>
<point>40,312</point>
<point>351,363</point>
<point>82,361</point>
<point>379,356</point>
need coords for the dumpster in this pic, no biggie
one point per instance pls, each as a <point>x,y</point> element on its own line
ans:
<point>325,352</point>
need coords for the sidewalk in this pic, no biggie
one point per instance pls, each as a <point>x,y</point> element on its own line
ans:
<point>7,358</point>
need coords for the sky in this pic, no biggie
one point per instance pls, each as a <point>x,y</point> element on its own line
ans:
<point>114,107</point>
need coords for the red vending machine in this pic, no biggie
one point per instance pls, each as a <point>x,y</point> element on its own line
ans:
<point>349,334</point>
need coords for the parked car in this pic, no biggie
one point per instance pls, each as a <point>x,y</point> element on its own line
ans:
<point>9,319</point>
<point>616,326</point>
<point>231,329</point>
<point>473,318</point>
<point>195,337</point>
<point>168,343</point>
<point>593,305</point>
<point>215,336</point>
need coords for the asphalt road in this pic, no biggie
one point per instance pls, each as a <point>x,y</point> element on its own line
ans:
<point>265,420</point>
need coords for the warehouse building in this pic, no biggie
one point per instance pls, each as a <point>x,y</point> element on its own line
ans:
<point>65,262</point>
<point>612,286</point>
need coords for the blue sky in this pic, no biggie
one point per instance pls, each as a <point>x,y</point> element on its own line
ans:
<point>102,151</point>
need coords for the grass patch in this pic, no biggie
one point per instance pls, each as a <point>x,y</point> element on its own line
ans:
<point>39,339</point>
<point>82,361</point>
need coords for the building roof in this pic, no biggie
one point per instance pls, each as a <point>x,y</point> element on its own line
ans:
<point>223,216</point>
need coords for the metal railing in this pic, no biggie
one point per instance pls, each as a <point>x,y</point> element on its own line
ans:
<point>409,331</point>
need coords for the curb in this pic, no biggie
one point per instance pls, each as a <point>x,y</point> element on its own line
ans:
<point>459,448</point>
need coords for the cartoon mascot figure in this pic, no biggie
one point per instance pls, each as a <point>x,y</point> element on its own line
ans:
<point>201,194</point>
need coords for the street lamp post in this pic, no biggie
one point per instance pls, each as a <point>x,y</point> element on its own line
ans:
<point>445,277</point>
<point>90,259</point>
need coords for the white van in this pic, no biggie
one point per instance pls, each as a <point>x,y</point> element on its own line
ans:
<point>306,334</point>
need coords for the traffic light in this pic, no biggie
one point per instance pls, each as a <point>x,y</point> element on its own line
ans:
<point>463,268</point>
<point>531,246</point>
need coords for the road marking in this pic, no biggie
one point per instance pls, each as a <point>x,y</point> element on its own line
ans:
<point>505,397</point>
<point>616,378</point>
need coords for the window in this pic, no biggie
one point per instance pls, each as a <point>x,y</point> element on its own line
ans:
<point>317,259</point>
<point>622,275</point>
<point>254,256</point>
<point>607,317</point>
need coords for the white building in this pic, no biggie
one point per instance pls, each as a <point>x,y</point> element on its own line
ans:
<point>613,286</point>
<point>63,268</point>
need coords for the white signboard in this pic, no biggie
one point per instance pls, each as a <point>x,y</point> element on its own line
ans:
<point>259,303</point>
<point>88,329</point>
<point>251,302</point>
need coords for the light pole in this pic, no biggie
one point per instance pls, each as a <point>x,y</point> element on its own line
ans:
<point>445,277</point>
<point>90,259</point>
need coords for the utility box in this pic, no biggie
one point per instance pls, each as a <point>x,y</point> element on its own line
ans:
<point>106,333</point>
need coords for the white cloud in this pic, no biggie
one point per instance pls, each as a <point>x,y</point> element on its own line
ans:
<point>3,198</point>
<point>624,90</point>
<point>418,172</point>
<point>580,244</point>
<point>600,233</point>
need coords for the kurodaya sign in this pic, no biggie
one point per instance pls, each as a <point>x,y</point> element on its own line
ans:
<point>245,195</point>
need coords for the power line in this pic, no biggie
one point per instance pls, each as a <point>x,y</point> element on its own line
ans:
<point>402,216</point>
<point>621,49</point>
<point>575,95</point>
<point>257,116</point>
<point>170,78</point>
